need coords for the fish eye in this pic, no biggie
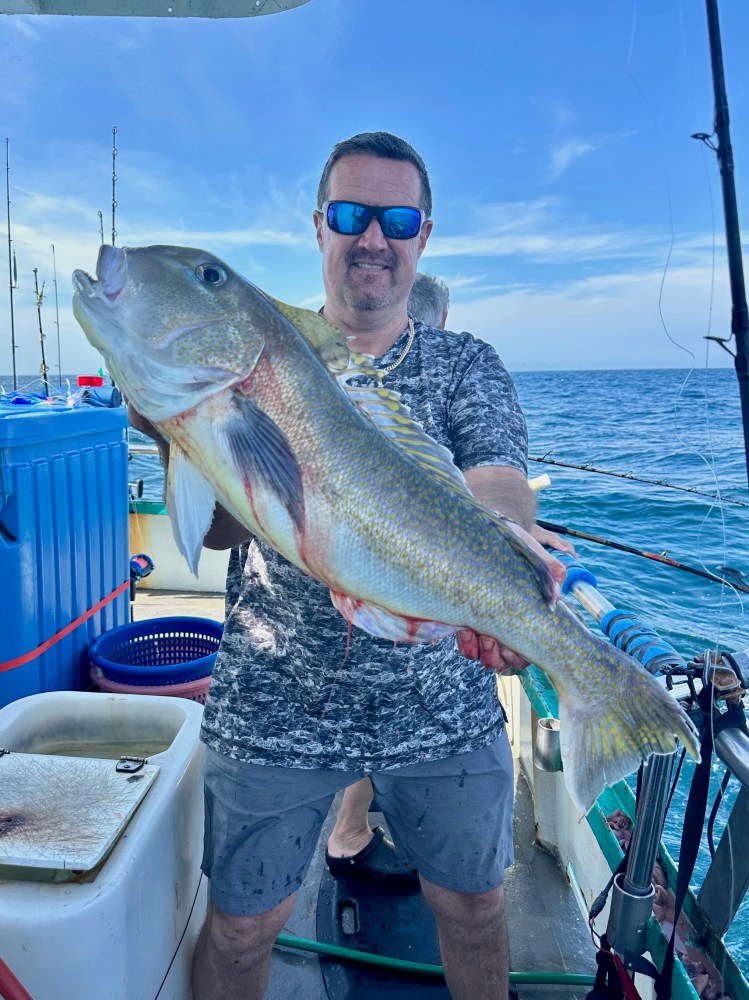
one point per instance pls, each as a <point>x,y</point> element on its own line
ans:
<point>211,274</point>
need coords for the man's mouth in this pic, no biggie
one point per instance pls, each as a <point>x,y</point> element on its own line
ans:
<point>369,264</point>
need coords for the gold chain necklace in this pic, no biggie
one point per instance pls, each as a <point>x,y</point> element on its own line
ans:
<point>411,334</point>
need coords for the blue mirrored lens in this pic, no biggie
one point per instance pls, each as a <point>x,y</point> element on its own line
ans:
<point>400,223</point>
<point>352,219</point>
<point>348,218</point>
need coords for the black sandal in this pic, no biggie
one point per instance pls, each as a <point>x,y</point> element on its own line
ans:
<point>379,860</point>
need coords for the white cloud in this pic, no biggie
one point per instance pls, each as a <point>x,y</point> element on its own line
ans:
<point>561,156</point>
<point>608,321</point>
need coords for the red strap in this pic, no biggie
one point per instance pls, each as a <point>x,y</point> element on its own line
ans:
<point>27,657</point>
<point>10,988</point>
<point>630,990</point>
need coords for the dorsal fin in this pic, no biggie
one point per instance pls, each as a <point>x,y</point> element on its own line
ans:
<point>387,411</point>
<point>324,338</point>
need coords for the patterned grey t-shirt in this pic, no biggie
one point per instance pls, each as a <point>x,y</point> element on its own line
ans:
<point>290,686</point>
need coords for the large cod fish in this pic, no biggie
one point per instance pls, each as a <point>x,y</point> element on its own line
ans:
<point>256,398</point>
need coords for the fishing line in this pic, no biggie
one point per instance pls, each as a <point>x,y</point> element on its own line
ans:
<point>547,460</point>
<point>710,463</point>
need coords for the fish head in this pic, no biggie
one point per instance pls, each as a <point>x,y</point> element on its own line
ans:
<point>175,324</point>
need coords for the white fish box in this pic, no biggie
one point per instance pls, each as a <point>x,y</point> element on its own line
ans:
<point>101,894</point>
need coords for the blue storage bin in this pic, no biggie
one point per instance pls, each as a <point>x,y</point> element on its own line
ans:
<point>64,546</point>
<point>158,651</point>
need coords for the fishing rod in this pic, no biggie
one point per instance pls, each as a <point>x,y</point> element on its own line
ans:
<point>733,577</point>
<point>114,181</point>
<point>57,316</point>
<point>12,270</point>
<point>637,479</point>
<point>43,367</point>
<point>724,152</point>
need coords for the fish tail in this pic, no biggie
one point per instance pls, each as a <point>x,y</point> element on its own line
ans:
<point>604,739</point>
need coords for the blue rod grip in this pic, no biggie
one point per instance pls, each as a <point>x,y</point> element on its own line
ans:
<point>627,632</point>
<point>576,572</point>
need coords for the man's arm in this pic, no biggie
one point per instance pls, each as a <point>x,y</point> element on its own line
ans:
<point>505,490</point>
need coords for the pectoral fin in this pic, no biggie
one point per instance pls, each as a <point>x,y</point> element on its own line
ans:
<point>260,452</point>
<point>190,501</point>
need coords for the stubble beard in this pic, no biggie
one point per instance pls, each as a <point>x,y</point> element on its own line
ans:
<point>370,296</point>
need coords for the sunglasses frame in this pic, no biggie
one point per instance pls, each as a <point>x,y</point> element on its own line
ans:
<point>373,211</point>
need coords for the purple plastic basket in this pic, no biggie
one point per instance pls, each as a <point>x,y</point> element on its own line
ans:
<point>158,651</point>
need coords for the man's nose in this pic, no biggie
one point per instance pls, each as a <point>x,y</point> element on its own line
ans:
<point>372,238</point>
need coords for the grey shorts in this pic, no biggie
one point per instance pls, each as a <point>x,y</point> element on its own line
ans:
<point>452,817</point>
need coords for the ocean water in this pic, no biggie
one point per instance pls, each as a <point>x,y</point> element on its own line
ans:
<point>682,429</point>
<point>675,427</point>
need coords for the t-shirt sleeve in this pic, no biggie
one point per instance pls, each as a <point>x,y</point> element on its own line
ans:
<point>487,425</point>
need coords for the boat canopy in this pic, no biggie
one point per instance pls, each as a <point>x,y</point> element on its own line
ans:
<point>150,8</point>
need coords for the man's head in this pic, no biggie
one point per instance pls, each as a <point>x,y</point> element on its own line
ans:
<point>429,300</point>
<point>370,257</point>
<point>388,147</point>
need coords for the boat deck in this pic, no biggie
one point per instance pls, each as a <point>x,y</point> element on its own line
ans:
<point>547,930</point>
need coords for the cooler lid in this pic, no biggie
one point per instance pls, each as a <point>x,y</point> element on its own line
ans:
<point>65,813</point>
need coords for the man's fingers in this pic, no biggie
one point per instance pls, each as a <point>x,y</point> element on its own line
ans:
<point>486,649</point>
<point>468,644</point>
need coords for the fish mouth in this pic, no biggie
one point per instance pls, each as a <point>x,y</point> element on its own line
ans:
<point>111,275</point>
<point>84,284</point>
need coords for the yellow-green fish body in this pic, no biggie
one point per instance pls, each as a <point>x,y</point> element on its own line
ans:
<point>270,413</point>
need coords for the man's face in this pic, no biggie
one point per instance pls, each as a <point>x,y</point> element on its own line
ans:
<point>369,272</point>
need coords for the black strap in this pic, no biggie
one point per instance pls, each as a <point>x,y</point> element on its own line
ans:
<point>694,820</point>
<point>613,981</point>
<point>608,985</point>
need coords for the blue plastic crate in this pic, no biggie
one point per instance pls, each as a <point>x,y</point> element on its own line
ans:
<point>158,651</point>
<point>64,547</point>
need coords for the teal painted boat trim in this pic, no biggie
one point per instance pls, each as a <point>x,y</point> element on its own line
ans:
<point>147,507</point>
<point>543,698</point>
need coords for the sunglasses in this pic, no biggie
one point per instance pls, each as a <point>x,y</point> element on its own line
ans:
<point>351,219</point>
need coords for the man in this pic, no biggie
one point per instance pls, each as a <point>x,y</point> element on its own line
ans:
<point>429,300</point>
<point>299,709</point>
<point>353,847</point>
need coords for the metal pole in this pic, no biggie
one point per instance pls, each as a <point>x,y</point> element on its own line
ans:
<point>11,284</point>
<point>724,151</point>
<point>57,317</point>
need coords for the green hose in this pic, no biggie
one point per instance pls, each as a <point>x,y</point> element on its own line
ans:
<point>421,968</point>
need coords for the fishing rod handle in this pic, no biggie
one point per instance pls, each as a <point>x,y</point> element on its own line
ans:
<point>576,572</point>
<point>627,632</point>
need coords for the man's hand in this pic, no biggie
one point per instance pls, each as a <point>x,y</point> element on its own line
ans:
<point>494,657</point>
<point>552,540</point>
<point>484,647</point>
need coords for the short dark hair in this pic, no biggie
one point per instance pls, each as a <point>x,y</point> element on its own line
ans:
<point>385,145</point>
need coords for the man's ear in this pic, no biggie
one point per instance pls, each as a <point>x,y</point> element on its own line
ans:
<point>426,229</point>
<point>317,218</point>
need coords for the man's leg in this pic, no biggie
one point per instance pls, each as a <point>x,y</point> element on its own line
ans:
<point>261,827</point>
<point>352,831</point>
<point>232,956</point>
<point>474,945</point>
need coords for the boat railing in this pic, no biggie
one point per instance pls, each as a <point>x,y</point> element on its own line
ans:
<point>727,878</point>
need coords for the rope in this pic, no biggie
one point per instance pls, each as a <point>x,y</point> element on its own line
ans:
<point>19,661</point>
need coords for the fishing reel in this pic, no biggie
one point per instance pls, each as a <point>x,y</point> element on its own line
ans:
<point>725,674</point>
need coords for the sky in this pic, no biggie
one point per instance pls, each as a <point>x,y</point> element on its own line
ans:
<point>576,222</point>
